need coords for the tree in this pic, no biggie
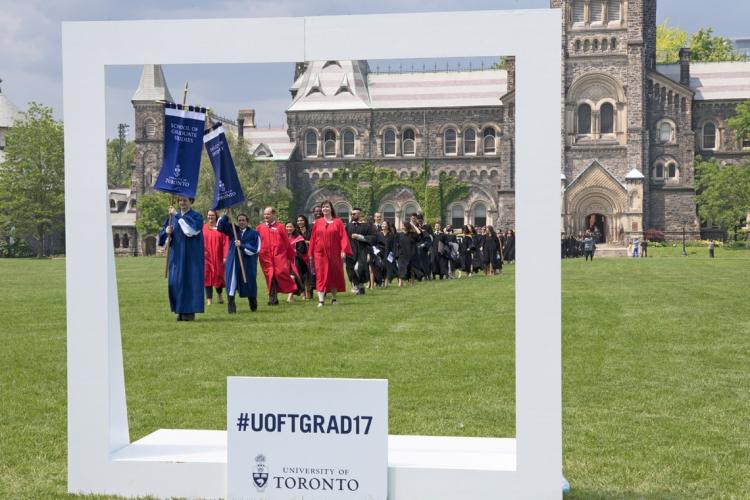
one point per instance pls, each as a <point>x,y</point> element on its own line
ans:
<point>32,199</point>
<point>723,193</point>
<point>707,47</point>
<point>740,122</point>
<point>120,156</point>
<point>153,209</point>
<point>669,41</point>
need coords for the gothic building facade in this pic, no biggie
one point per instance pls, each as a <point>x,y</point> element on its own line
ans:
<point>632,128</point>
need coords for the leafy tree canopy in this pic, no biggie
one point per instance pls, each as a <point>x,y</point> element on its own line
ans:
<point>153,209</point>
<point>706,46</point>
<point>120,162</point>
<point>723,193</point>
<point>740,122</point>
<point>32,200</point>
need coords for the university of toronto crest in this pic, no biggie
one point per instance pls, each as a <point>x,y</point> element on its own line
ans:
<point>260,476</point>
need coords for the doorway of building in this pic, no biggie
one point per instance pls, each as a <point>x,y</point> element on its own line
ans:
<point>597,224</point>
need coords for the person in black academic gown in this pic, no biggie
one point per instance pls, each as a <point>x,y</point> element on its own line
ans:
<point>301,260</point>
<point>509,246</point>
<point>186,260</point>
<point>248,241</point>
<point>361,238</point>
<point>424,249</point>
<point>467,250</point>
<point>492,252</point>
<point>476,256</point>
<point>385,254</point>
<point>406,252</point>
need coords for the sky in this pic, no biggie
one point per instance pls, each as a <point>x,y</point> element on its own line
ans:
<point>30,50</point>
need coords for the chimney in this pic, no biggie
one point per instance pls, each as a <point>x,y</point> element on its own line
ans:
<point>247,116</point>
<point>685,66</point>
<point>510,66</point>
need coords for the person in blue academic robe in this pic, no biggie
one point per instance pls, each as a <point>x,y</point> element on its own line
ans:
<point>248,242</point>
<point>185,266</point>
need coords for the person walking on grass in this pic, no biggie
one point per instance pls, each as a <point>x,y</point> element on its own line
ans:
<point>276,256</point>
<point>249,243</point>
<point>185,265</point>
<point>588,246</point>
<point>711,245</point>
<point>215,246</point>
<point>329,245</point>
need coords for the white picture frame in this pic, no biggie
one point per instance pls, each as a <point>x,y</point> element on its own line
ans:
<point>192,463</point>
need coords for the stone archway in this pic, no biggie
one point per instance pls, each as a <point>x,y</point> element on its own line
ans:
<point>596,192</point>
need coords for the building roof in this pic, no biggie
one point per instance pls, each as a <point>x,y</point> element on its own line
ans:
<point>269,143</point>
<point>126,218</point>
<point>448,89</point>
<point>348,85</point>
<point>331,85</point>
<point>714,81</point>
<point>9,112</point>
<point>153,86</point>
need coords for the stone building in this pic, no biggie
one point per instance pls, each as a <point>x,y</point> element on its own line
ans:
<point>631,129</point>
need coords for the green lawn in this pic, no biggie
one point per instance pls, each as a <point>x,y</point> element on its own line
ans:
<point>656,358</point>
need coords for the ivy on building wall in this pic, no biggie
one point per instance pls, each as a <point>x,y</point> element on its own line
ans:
<point>366,184</point>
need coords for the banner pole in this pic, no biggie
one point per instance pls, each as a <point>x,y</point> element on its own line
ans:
<point>169,238</point>
<point>239,255</point>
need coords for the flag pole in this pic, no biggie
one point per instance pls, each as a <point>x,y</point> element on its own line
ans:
<point>239,255</point>
<point>171,200</point>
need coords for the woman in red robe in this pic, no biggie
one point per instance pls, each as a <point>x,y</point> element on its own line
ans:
<point>215,245</point>
<point>329,244</point>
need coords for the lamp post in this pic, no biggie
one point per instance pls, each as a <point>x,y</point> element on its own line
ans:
<point>684,253</point>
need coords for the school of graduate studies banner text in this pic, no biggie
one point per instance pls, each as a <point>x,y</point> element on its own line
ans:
<point>313,438</point>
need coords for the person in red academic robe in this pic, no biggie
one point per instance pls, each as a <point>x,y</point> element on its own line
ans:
<point>276,256</point>
<point>329,244</point>
<point>215,246</point>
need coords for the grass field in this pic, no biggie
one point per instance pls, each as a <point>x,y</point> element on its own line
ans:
<point>656,366</point>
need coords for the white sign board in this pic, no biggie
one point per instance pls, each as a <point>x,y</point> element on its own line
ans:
<point>317,439</point>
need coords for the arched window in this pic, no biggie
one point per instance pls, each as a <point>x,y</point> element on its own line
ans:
<point>342,211</point>
<point>613,11</point>
<point>672,170</point>
<point>659,171</point>
<point>125,241</point>
<point>607,116</point>
<point>389,214</point>
<point>389,143</point>
<point>596,11</point>
<point>329,148</point>
<point>613,43</point>
<point>348,143</point>
<point>407,142</point>
<point>480,215</point>
<point>149,128</point>
<point>709,136</point>
<point>584,119</point>
<point>577,12</point>
<point>666,131</point>
<point>449,141</point>
<point>410,209</point>
<point>470,141</point>
<point>311,144</point>
<point>488,140</point>
<point>457,216</point>
<point>117,241</point>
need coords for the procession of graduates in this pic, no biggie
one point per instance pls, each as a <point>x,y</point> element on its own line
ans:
<point>308,259</point>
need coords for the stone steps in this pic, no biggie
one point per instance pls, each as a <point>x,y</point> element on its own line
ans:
<point>610,251</point>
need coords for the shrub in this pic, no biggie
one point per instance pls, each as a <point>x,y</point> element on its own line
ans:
<point>654,235</point>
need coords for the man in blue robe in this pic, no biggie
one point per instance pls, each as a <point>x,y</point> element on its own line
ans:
<point>248,241</point>
<point>185,264</point>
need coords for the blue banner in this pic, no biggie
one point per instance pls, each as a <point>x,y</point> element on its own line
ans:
<point>183,129</point>
<point>228,191</point>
